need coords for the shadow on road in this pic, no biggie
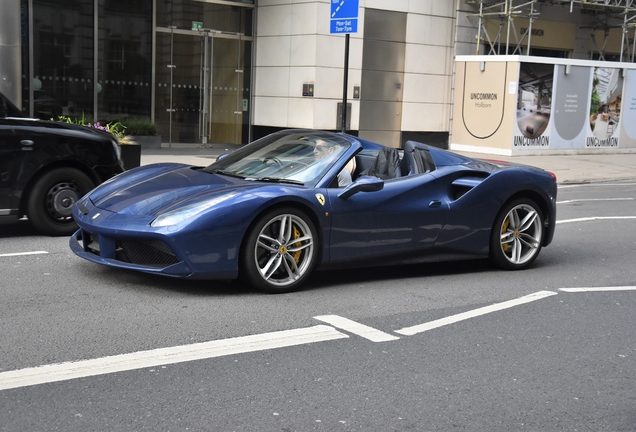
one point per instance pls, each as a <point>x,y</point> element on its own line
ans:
<point>160,285</point>
<point>19,229</point>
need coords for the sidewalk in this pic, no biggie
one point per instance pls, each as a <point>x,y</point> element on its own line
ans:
<point>578,168</point>
<point>568,168</point>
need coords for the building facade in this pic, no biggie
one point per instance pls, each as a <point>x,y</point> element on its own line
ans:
<point>184,64</point>
<point>230,71</point>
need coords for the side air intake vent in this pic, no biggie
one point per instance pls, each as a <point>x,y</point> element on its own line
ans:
<point>463,185</point>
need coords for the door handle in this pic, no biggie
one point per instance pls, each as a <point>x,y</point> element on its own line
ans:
<point>435,204</point>
<point>26,142</point>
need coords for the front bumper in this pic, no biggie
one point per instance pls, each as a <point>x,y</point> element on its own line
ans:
<point>147,255</point>
<point>129,241</point>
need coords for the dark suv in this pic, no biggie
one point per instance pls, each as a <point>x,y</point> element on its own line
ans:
<point>45,167</point>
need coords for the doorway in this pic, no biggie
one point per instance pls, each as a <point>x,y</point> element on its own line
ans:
<point>202,87</point>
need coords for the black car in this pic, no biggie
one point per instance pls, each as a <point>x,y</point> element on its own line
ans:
<point>45,167</point>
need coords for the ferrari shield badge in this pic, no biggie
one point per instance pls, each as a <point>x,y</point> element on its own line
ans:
<point>320,198</point>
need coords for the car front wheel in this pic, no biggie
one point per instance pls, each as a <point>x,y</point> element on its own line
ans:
<point>52,197</point>
<point>280,251</point>
<point>517,235</point>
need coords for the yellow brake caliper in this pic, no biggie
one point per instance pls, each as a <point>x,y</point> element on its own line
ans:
<point>504,228</point>
<point>296,235</point>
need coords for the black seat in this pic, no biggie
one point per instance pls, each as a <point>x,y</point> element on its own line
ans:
<point>386,165</point>
<point>418,158</point>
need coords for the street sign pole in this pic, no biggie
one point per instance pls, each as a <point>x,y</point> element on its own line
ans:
<point>345,83</point>
<point>344,19</point>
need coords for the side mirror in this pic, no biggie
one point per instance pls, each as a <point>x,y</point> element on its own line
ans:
<point>221,156</point>
<point>363,184</point>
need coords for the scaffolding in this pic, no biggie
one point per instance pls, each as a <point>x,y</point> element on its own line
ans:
<point>605,15</point>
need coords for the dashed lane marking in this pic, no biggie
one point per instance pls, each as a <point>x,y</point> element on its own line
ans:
<point>23,253</point>
<point>594,184</point>
<point>356,328</point>
<point>163,356</point>
<point>595,218</point>
<point>593,200</point>
<point>410,331</point>
<point>598,289</point>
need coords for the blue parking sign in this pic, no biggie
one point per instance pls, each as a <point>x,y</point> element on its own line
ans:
<point>344,9</point>
<point>344,16</point>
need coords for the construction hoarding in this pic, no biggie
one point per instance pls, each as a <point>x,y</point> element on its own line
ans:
<point>513,105</point>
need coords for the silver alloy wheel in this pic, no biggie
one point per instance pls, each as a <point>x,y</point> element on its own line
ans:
<point>284,250</point>
<point>521,234</point>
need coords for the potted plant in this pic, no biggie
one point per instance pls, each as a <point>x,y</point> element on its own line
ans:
<point>130,148</point>
<point>142,131</point>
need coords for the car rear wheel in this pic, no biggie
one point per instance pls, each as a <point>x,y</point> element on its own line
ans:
<point>52,197</point>
<point>280,251</point>
<point>517,235</point>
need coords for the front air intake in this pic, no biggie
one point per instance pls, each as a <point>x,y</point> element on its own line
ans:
<point>151,253</point>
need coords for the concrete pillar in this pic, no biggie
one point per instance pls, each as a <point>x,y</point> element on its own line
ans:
<point>10,51</point>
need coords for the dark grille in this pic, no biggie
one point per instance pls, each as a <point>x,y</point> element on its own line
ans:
<point>152,253</point>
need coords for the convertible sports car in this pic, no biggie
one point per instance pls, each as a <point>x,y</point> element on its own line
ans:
<point>294,201</point>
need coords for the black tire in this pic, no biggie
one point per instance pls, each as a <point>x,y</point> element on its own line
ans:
<point>517,235</point>
<point>280,251</point>
<point>51,199</point>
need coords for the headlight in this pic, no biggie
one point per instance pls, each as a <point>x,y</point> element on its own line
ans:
<point>176,216</point>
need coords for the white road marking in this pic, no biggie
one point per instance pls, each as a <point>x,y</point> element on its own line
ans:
<point>598,289</point>
<point>356,328</point>
<point>163,356</point>
<point>410,331</point>
<point>224,347</point>
<point>594,184</point>
<point>594,199</point>
<point>23,253</point>
<point>595,218</point>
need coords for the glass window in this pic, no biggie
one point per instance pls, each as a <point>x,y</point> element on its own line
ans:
<point>125,59</point>
<point>63,58</point>
<point>183,14</point>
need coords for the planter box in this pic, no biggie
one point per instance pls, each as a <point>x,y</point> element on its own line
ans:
<point>148,142</point>
<point>131,155</point>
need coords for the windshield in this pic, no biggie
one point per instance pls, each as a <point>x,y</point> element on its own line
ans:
<point>297,157</point>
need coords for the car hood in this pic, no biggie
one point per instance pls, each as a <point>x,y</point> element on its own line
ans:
<point>154,189</point>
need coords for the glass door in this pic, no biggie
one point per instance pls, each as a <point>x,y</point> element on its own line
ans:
<point>202,96</point>
<point>227,89</point>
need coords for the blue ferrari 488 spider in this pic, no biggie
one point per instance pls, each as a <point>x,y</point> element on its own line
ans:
<point>298,200</point>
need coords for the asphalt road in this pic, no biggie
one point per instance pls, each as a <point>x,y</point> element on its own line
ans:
<point>561,360</point>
